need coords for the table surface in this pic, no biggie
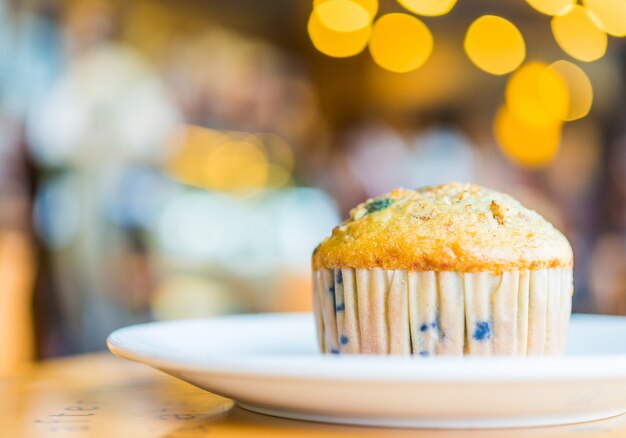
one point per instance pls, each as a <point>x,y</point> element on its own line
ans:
<point>101,395</point>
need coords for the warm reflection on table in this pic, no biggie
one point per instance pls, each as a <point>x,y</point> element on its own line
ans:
<point>101,395</point>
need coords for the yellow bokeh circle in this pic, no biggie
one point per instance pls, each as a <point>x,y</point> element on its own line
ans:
<point>610,15</point>
<point>236,165</point>
<point>536,95</point>
<point>529,146</point>
<point>494,45</point>
<point>553,93</point>
<point>429,8</point>
<point>234,162</point>
<point>552,7</point>
<point>191,145</point>
<point>400,42</point>
<point>342,15</point>
<point>371,6</point>
<point>578,35</point>
<point>334,43</point>
<point>579,87</point>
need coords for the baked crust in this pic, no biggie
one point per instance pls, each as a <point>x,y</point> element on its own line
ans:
<point>450,227</point>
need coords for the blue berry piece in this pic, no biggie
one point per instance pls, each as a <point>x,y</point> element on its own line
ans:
<point>423,327</point>
<point>339,276</point>
<point>334,351</point>
<point>344,340</point>
<point>331,289</point>
<point>424,353</point>
<point>482,331</point>
<point>378,204</point>
<point>340,307</point>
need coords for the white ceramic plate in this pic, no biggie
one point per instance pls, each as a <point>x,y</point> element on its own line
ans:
<point>270,364</point>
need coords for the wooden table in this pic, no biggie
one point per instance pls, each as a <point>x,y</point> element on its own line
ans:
<point>101,395</point>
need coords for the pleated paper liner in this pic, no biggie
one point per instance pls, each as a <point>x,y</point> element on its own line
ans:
<point>376,311</point>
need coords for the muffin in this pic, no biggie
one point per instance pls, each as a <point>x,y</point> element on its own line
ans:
<point>446,270</point>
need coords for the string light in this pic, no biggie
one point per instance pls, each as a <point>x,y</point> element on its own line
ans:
<point>429,8</point>
<point>400,42</point>
<point>577,34</point>
<point>539,98</point>
<point>494,45</point>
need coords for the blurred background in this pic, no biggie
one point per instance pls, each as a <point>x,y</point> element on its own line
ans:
<point>164,160</point>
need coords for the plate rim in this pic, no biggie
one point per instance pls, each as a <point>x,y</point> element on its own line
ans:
<point>387,369</point>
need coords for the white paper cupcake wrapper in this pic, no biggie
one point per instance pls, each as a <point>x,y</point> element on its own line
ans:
<point>375,311</point>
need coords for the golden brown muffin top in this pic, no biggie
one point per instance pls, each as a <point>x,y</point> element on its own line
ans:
<point>450,227</point>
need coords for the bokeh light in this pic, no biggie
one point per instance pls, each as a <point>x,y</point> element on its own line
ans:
<point>400,42</point>
<point>236,165</point>
<point>577,34</point>
<point>552,7</point>
<point>342,15</point>
<point>579,88</point>
<point>230,161</point>
<point>429,8</point>
<point>536,94</point>
<point>334,43</point>
<point>371,6</point>
<point>278,177</point>
<point>436,81</point>
<point>610,15</point>
<point>528,146</point>
<point>277,149</point>
<point>495,45</point>
<point>191,144</point>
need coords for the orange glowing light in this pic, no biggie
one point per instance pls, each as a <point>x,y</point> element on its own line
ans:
<point>495,45</point>
<point>236,166</point>
<point>334,43</point>
<point>342,15</point>
<point>371,6</point>
<point>400,42</point>
<point>535,94</point>
<point>579,88</point>
<point>609,14</point>
<point>529,146</point>
<point>235,162</point>
<point>552,7</point>
<point>578,35</point>
<point>430,8</point>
